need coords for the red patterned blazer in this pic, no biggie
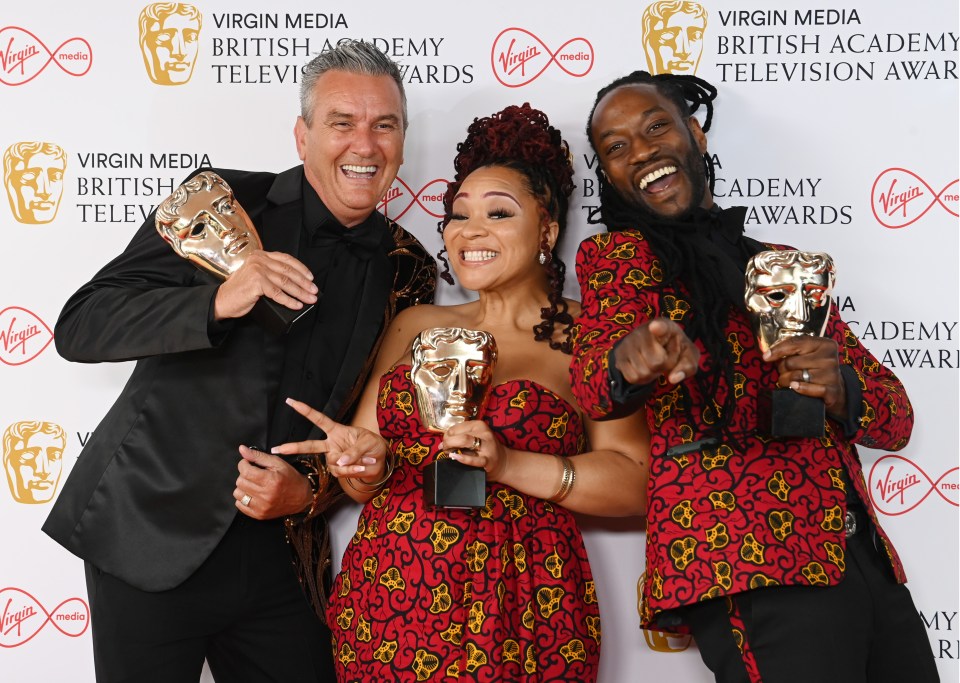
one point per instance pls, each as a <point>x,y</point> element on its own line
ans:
<point>748,511</point>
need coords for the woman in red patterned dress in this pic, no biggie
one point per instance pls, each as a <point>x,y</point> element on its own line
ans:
<point>503,593</point>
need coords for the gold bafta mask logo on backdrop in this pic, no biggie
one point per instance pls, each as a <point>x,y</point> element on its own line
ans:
<point>33,177</point>
<point>169,41</point>
<point>33,460</point>
<point>673,36</point>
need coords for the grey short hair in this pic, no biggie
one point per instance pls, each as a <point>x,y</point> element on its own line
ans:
<point>352,56</point>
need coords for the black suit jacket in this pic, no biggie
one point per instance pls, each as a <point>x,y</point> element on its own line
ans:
<point>152,492</point>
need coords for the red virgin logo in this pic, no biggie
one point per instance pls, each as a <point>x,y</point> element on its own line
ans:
<point>400,198</point>
<point>518,57</point>
<point>23,56</point>
<point>22,617</point>
<point>23,336</point>
<point>898,485</point>
<point>900,198</point>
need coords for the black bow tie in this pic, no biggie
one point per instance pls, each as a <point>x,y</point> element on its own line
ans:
<point>714,221</point>
<point>729,222</point>
<point>361,240</point>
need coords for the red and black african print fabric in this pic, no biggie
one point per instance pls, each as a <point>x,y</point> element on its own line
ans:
<point>749,511</point>
<point>504,593</point>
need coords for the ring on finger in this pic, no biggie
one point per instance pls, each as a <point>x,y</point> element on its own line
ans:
<point>805,375</point>
<point>245,501</point>
<point>476,444</point>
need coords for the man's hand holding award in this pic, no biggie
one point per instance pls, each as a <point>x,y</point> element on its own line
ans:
<point>205,224</point>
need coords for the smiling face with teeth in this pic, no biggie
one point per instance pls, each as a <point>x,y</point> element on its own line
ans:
<point>353,148</point>
<point>650,154</point>
<point>495,228</point>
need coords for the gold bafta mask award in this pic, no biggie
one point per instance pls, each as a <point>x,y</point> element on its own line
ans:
<point>452,372</point>
<point>205,224</point>
<point>789,294</point>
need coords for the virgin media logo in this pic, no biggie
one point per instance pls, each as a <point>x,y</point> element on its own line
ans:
<point>23,56</point>
<point>898,485</point>
<point>22,617</point>
<point>518,57</point>
<point>400,198</point>
<point>900,197</point>
<point>23,336</point>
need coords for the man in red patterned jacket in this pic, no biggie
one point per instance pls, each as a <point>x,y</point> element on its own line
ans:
<point>767,550</point>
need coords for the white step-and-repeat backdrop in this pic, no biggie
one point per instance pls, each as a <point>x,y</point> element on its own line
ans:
<point>836,125</point>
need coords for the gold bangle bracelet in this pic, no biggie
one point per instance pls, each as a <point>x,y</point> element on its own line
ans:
<point>567,480</point>
<point>375,486</point>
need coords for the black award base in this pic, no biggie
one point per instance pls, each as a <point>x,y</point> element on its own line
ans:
<point>276,318</point>
<point>784,414</point>
<point>451,484</point>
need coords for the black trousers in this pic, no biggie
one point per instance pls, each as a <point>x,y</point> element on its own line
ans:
<point>864,630</point>
<point>242,610</point>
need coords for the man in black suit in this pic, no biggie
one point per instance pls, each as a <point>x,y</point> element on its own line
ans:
<point>185,560</point>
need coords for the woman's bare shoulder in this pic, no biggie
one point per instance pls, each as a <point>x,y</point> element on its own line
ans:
<point>422,316</point>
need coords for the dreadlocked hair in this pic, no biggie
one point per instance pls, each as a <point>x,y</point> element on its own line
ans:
<point>522,139</point>
<point>682,259</point>
<point>688,94</point>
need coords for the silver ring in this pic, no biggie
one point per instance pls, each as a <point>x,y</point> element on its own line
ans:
<point>476,444</point>
<point>246,499</point>
<point>805,375</point>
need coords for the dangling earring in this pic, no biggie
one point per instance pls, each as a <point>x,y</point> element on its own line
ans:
<point>542,258</point>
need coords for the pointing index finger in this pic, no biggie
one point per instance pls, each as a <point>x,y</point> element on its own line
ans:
<point>315,416</point>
